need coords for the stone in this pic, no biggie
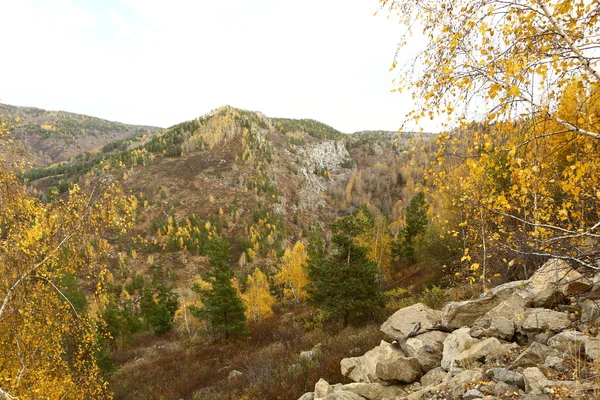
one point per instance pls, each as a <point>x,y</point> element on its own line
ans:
<point>306,355</point>
<point>362,369</point>
<point>503,389</point>
<point>434,377</point>
<point>375,391</point>
<point>558,275</point>
<point>476,352</point>
<point>556,363</point>
<point>472,395</point>
<point>536,382</point>
<point>592,348</point>
<point>501,328</point>
<point>506,290</point>
<point>590,311</point>
<point>534,355</point>
<point>548,297</point>
<point>511,309</point>
<point>460,380</point>
<point>507,376</point>
<point>234,375</point>
<point>344,395</point>
<point>322,389</point>
<point>571,342</point>
<point>427,348</point>
<point>457,314</point>
<point>307,396</point>
<point>402,323</point>
<point>541,319</point>
<point>402,369</point>
<point>454,344</point>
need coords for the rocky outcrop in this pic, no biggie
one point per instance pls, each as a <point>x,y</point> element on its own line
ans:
<point>508,343</point>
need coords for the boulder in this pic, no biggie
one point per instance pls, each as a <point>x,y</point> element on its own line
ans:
<point>506,290</point>
<point>307,396</point>
<point>454,344</point>
<point>541,319</point>
<point>343,395</point>
<point>234,375</point>
<point>322,389</point>
<point>590,311</point>
<point>472,394</point>
<point>434,377</point>
<point>404,321</point>
<point>510,309</point>
<point>478,351</point>
<point>507,376</point>
<point>592,349</point>
<point>548,298</point>
<point>501,328</point>
<point>427,348</point>
<point>464,313</point>
<point>571,342</point>
<point>534,355</point>
<point>362,369</point>
<point>536,382</point>
<point>375,391</point>
<point>558,275</point>
<point>402,369</point>
<point>556,363</point>
<point>459,380</point>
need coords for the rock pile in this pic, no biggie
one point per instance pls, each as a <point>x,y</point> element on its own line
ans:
<point>532,339</point>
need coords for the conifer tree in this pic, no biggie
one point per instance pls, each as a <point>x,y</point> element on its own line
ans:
<point>416,223</point>
<point>221,307</point>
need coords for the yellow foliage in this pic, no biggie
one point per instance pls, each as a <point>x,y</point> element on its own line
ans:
<point>292,274</point>
<point>257,297</point>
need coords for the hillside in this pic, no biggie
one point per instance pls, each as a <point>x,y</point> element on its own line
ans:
<point>48,137</point>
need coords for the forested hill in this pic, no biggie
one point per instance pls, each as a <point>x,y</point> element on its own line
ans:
<point>47,137</point>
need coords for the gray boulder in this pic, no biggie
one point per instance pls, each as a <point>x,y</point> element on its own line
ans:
<point>590,311</point>
<point>534,355</point>
<point>571,342</point>
<point>477,352</point>
<point>343,395</point>
<point>541,319</point>
<point>402,369</point>
<point>404,321</point>
<point>454,344</point>
<point>434,377</point>
<point>375,391</point>
<point>427,348</point>
<point>507,376</point>
<point>362,369</point>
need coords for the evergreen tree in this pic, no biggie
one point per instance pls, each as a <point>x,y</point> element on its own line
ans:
<point>345,285</point>
<point>221,307</point>
<point>416,224</point>
<point>316,243</point>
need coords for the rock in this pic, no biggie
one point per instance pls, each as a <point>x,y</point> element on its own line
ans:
<point>463,313</point>
<point>362,369</point>
<point>234,375</point>
<point>506,290</point>
<point>402,369</point>
<point>307,396</point>
<point>548,297</point>
<point>534,355</point>
<point>344,395</point>
<point>592,348</point>
<point>501,328</point>
<point>322,389</point>
<point>375,391</point>
<point>558,275</point>
<point>511,309</point>
<point>534,379</point>
<point>403,322</point>
<point>541,319</point>
<point>503,389</point>
<point>472,395</point>
<point>571,342</point>
<point>541,337</point>
<point>459,380</point>
<point>556,363</point>
<point>434,377</point>
<point>590,311</point>
<point>478,351</point>
<point>454,344</point>
<point>427,348</point>
<point>536,382</point>
<point>507,376</point>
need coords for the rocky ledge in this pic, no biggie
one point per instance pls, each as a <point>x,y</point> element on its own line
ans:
<point>533,339</point>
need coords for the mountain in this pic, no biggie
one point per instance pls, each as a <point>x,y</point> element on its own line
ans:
<point>47,137</point>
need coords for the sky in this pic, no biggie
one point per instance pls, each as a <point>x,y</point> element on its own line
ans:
<point>156,62</point>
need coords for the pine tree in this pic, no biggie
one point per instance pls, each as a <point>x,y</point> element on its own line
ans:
<point>416,224</point>
<point>345,285</point>
<point>222,308</point>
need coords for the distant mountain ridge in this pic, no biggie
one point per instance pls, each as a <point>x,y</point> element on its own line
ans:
<point>47,137</point>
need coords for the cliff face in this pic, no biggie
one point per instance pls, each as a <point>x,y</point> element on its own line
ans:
<point>533,339</point>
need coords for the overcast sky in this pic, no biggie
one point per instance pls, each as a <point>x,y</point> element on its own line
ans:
<point>158,62</point>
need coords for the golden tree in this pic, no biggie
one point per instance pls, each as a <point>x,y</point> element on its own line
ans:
<point>293,273</point>
<point>257,298</point>
<point>519,81</point>
<point>46,346</point>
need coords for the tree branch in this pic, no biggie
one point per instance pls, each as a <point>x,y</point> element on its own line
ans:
<point>6,396</point>
<point>59,292</point>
